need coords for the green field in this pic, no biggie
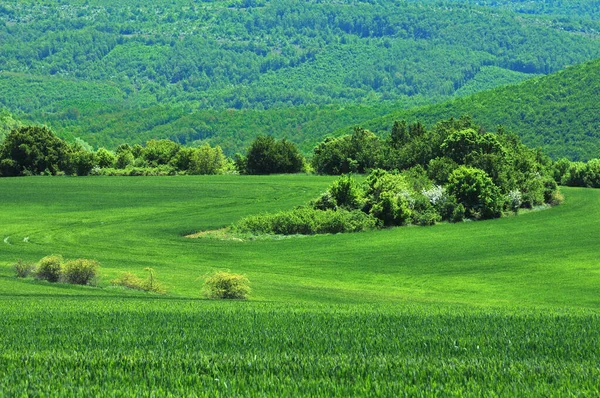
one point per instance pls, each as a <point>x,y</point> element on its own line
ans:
<point>502,307</point>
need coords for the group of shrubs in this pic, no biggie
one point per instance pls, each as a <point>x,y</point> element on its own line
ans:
<point>387,199</point>
<point>306,221</point>
<point>55,269</point>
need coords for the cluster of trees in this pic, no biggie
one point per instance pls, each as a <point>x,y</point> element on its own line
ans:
<point>33,150</point>
<point>456,156</point>
<point>440,151</point>
<point>452,172</point>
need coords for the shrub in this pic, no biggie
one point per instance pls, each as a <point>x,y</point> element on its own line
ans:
<point>306,221</point>
<point>23,269</point>
<point>458,213</point>
<point>131,281</point>
<point>226,285</point>
<point>391,209</point>
<point>476,191</point>
<point>427,217</point>
<point>347,193</point>
<point>49,268</point>
<point>80,272</point>
<point>556,199</point>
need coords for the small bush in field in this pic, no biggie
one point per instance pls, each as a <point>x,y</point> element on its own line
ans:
<point>23,269</point>
<point>49,268</point>
<point>131,281</point>
<point>226,285</point>
<point>80,272</point>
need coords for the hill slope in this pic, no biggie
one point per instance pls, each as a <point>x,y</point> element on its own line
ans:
<point>74,63</point>
<point>128,224</point>
<point>558,113</point>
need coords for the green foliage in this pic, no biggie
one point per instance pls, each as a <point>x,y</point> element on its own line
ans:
<point>23,269</point>
<point>579,174</point>
<point>207,160</point>
<point>104,158</point>
<point>226,285</point>
<point>49,268</point>
<point>81,161</point>
<point>267,155</point>
<point>32,150</point>
<point>306,221</point>
<point>8,123</point>
<point>391,208</point>
<point>131,281</point>
<point>80,272</point>
<point>347,193</point>
<point>476,191</point>
<point>160,152</point>
<point>356,153</point>
<point>131,171</point>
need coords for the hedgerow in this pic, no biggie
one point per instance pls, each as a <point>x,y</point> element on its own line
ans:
<point>307,221</point>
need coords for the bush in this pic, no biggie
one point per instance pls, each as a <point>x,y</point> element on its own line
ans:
<point>427,217</point>
<point>49,268</point>
<point>131,281</point>
<point>23,269</point>
<point>226,285</point>
<point>306,221</point>
<point>476,191</point>
<point>347,193</point>
<point>80,272</point>
<point>391,209</point>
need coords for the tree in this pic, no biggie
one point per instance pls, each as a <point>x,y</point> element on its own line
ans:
<point>104,158</point>
<point>356,153</point>
<point>207,160</point>
<point>268,156</point>
<point>81,161</point>
<point>160,152</point>
<point>476,191</point>
<point>399,136</point>
<point>33,150</point>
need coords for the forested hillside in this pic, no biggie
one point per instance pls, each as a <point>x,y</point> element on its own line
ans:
<point>88,68</point>
<point>558,113</point>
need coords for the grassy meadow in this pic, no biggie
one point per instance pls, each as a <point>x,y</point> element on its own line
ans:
<point>501,307</point>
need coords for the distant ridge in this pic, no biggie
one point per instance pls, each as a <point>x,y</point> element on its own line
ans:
<point>559,113</point>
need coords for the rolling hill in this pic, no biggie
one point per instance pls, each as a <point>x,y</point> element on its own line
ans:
<point>110,72</point>
<point>558,113</point>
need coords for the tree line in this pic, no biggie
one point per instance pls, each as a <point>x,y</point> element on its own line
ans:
<point>435,152</point>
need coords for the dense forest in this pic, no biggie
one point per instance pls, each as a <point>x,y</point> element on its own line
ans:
<point>98,69</point>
